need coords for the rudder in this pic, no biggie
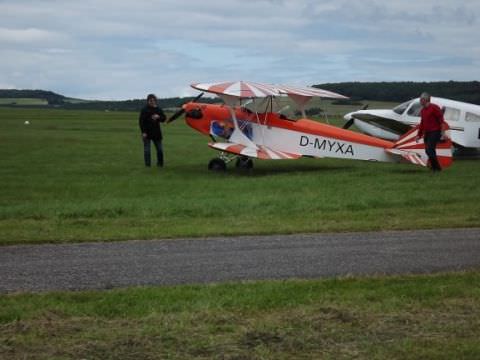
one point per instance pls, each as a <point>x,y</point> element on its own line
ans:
<point>414,151</point>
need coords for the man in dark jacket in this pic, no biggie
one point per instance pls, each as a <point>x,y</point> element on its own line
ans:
<point>431,125</point>
<point>149,120</point>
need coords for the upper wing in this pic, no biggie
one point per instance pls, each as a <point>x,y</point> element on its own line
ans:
<point>307,91</point>
<point>239,89</point>
<point>261,152</point>
<point>248,89</point>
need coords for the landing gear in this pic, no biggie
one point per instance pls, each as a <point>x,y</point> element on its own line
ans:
<point>217,164</point>
<point>244,163</point>
<point>220,163</point>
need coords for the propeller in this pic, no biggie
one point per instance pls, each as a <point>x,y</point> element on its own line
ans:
<point>182,110</point>
<point>350,122</point>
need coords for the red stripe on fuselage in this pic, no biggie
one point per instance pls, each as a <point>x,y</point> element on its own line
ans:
<point>307,126</point>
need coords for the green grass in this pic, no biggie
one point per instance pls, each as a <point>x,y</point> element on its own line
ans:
<point>23,101</point>
<point>408,317</point>
<point>79,176</point>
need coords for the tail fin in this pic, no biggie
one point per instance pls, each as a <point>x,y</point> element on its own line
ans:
<point>414,151</point>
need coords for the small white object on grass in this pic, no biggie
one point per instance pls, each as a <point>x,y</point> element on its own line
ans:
<point>27,122</point>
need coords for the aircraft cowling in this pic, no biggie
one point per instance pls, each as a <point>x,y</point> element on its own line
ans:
<point>384,124</point>
<point>372,115</point>
<point>195,117</point>
<point>200,116</point>
<point>373,130</point>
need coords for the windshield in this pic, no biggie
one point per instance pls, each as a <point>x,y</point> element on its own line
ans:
<point>415,109</point>
<point>281,105</point>
<point>400,109</point>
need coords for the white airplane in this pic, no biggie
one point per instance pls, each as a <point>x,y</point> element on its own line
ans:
<point>463,119</point>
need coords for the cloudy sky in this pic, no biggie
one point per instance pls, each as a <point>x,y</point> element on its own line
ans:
<point>105,49</point>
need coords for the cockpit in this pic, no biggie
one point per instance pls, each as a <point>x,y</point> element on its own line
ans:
<point>282,106</point>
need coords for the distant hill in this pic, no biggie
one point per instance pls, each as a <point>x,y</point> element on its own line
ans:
<point>468,91</point>
<point>51,97</point>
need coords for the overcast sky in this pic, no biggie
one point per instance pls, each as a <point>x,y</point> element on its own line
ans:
<point>123,49</point>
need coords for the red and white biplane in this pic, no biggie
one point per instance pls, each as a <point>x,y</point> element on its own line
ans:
<point>257,131</point>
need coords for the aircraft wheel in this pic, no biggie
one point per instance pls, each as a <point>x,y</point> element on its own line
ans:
<point>244,163</point>
<point>217,164</point>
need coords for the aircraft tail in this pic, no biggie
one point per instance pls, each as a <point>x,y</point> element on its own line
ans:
<point>414,151</point>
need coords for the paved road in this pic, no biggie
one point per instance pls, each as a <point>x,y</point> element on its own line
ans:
<point>168,262</point>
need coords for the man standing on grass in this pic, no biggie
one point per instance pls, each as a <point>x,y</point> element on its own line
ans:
<point>149,120</point>
<point>430,129</point>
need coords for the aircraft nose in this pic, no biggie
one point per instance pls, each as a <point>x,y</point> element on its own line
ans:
<point>349,120</point>
<point>195,113</point>
<point>183,109</point>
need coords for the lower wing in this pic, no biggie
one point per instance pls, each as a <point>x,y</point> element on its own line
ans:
<point>261,152</point>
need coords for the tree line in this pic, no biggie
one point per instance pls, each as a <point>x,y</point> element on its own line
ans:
<point>61,101</point>
<point>468,91</point>
<point>132,105</point>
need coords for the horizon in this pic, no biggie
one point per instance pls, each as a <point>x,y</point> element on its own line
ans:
<point>211,95</point>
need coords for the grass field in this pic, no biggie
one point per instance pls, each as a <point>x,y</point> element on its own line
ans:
<point>79,176</point>
<point>74,176</point>
<point>423,317</point>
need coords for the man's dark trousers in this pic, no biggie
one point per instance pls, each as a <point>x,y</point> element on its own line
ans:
<point>146,151</point>
<point>431,139</point>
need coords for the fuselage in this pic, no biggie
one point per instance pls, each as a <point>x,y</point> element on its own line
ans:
<point>303,136</point>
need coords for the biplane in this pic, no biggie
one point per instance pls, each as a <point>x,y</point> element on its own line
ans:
<point>248,126</point>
